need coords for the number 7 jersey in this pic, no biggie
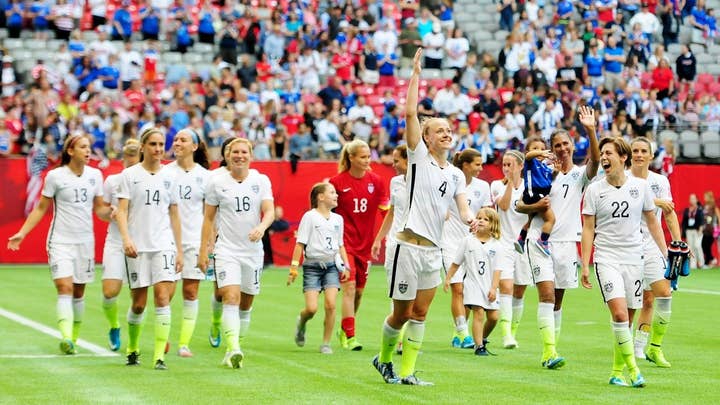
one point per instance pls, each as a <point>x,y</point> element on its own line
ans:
<point>239,210</point>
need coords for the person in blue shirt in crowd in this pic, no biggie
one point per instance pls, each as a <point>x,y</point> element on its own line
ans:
<point>14,12</point>
<point>393,126</point>
<point>183,40</point>
<point>110,74</point>
<point>86,72</point>
<point>613,62</point>
<point>594,65</point>
<point>39,10</point>
<point>149,23</point>
<point>206,28</point>
<point>122,23</point>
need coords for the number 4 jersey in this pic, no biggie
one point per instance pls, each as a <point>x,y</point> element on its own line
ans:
<point>239,205</point>
<point>618,216</point>
<point>73,197</point>
<point>150,196</point>
<point>358,203</point>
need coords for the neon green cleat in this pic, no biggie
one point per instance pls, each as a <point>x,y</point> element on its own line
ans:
<point>67,346</point>
<point>353,344</point>
<point>343,339</point>
<point>655,355</point>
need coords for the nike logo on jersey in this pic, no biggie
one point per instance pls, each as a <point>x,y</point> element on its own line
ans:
<point>136,181</point>
<point>345,190</point>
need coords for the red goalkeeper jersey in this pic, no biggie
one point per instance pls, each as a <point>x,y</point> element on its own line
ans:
<point>358,204</point>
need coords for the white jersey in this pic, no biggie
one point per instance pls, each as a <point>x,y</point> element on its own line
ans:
<point>321,236</point>
<point>511,221</point>
<point>190,187</point>
<point>660,186</point>
<point>479,260</point>
<point>565,197</point>
<point>110,191</point>
<point>239,210</point>
<point>150,197</point>
<point>618,216</point>
<point>478,196</point>
<point>431,189</point>
<point>398,200</point>
<point>73,200</point>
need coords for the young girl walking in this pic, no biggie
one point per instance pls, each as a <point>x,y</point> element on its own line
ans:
<point>320,239</point>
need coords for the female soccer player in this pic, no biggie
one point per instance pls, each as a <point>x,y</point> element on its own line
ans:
<point>360,194</point>
<point>242,201</point>
<point>554,274</point>
<point>191,176</point>
<point>480,254</point>
<point>657,287</point>
<point>515,276</point>
<point>320,239</point>
<point>398,205</point>
<point>76,191</point>
<point>455,230</point>
<point>113,256</point>
<point>613,210</point>
<point>433,184</point>
<point>149,224</point>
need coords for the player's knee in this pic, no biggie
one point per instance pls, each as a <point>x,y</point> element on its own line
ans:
<point>137,308</point>
<point>493,316</point>
<point>329,307</point>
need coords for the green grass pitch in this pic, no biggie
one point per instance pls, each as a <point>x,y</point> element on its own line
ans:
<point>276,371</point>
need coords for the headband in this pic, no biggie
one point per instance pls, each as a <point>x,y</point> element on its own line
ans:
<point>195,137</point>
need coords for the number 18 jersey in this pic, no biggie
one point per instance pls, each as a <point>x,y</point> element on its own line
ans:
<point>239,210</point>
<point>358,203</point>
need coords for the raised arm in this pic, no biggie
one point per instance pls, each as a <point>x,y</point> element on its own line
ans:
<point>412,124</point>
<point>588,121</point>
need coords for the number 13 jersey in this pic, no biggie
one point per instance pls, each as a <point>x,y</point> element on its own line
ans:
<point>239,210</point>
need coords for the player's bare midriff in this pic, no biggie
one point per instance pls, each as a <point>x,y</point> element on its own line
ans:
<point>411,237</point>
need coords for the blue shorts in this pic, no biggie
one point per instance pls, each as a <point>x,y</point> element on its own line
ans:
<point>319,278</point>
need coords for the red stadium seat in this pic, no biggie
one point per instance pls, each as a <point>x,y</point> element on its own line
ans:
<point>705,78</point>
<point>373,99</point>
<point>379,110</point>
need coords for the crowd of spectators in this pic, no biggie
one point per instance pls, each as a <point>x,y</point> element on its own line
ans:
<point>301,78</point>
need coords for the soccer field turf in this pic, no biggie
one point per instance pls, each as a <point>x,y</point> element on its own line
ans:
<point>275,370</point>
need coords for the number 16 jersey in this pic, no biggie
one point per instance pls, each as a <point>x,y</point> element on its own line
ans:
<point>239,210</point>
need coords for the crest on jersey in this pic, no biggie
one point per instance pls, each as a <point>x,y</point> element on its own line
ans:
<point>255,188</point>
<point>371,188</point>
<point>221,275</point>
<point>608,287</point>
<point>491,252</point>
<point>634,193</point>
<point>655,188</point>
<point>477,195</point>
<point>54,268</point>
<point>133,276</point>
<point>402,287</point>
<point>575,175</point>
<point>536,271</point>
<point>199,181</point>
<point>455,178</point>
<point>166,183</point>
<point>337,228</point>
<point>92,182</point>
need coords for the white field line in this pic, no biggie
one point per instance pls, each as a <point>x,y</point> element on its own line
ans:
<point>692,291</point>
<point>95,349</point>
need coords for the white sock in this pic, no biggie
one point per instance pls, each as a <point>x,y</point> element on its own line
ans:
<point>78,305</point>
<point>518,306</point>
<point>461,326</point>
<point>190,309</point>
<point>135,319</point>
<point>244,322</point>
<point>558,324</point>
